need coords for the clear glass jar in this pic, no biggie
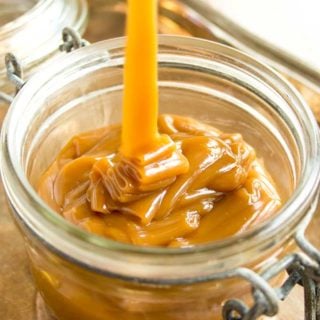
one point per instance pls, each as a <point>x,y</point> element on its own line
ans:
<point>32,30</point>
<point>82,276</point>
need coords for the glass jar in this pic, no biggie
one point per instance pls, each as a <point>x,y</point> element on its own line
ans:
<point>32,30</point>
<point>82,276</point>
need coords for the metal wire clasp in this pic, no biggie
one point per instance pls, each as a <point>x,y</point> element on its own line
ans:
<point>72,40</point>
<point>14,75</point>
<point>303,268</point>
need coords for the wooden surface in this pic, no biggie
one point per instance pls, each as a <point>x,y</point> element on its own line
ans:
<point>17,293</point>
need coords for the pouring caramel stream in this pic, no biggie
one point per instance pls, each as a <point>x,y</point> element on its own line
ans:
<point>151,156</point>
<point>157,180</point>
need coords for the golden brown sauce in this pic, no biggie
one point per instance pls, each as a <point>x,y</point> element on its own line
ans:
<point>221,190</point>
<point>167,181</point>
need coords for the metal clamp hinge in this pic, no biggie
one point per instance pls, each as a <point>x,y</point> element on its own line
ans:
<point>72,40</point>
<point>14,75</point>
<point>303,268</point>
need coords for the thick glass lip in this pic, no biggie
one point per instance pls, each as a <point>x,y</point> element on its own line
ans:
<point>19,189</point>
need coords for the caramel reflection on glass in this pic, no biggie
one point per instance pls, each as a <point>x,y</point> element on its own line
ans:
<point>221,190</point>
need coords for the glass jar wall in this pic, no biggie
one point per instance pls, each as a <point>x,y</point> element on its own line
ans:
<point>82,276</point>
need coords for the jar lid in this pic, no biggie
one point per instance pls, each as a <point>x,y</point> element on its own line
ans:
<point>31,29</point>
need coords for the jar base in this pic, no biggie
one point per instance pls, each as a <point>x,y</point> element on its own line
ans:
<point>42,312</point>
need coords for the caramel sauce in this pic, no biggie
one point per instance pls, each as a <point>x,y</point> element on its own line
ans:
<point>157,180</point>
<point>224,191</point>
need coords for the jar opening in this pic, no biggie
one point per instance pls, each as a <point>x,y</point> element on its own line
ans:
<point>257,91</point>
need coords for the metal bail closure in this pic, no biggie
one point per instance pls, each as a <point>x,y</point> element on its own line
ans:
<point>303,268</point>
<point>14,75</point>
<point>14,71</point>
<point>311,271</point>
<point>6,98</point>
<point>72,40</point>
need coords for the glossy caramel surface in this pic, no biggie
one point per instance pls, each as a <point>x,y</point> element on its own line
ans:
<point>221,189</point>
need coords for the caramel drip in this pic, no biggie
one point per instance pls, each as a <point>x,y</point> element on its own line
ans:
<point>140,106</point>
<point>147,157</point>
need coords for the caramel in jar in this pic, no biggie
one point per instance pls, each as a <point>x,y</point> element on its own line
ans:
<point>153,180</point>
<point>223,191</point>
<point>157,181</point>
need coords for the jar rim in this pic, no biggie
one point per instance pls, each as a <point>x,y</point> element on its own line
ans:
<point>14,177</point>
